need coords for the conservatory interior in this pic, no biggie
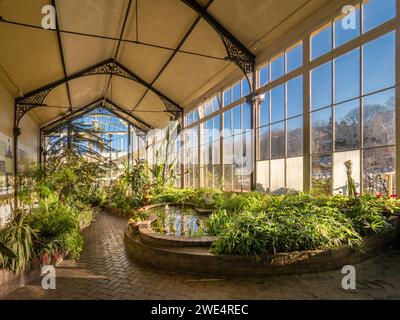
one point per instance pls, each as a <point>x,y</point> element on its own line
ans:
<point>145,142</point>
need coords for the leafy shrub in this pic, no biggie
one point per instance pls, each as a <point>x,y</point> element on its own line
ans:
<point>203,197</point>
<point>17,236</point>
<point>57,228</point>
<point>255,223</point>
<point>217,222</point>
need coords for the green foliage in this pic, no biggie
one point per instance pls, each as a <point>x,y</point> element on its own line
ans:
<point>6,251</point>
<point>71,176</point>
<point>217,222</point>
<point>255,223</point>
<point>131,190</point>
<point>57,201</point>
<point>203,197</point>
<point>58,225</point>
<point>17,236</point>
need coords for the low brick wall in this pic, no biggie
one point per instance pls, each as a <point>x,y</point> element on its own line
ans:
<point>10,281</point>
<point>154,238</point>
<point>200,260</point>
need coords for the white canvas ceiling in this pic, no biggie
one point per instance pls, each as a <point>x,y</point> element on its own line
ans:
<point>32,58</point>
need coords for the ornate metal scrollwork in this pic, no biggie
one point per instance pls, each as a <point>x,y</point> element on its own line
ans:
<point>242,59</point>
<point>171,108</point>
<point>110,68</point>
<point>24,105</point>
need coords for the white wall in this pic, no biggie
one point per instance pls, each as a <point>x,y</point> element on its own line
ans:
<point>29,138</point>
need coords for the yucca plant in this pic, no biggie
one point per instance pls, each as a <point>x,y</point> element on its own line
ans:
<point>17,236</point>
<point>6,251</point>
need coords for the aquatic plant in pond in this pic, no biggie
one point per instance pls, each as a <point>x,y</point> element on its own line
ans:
<point>178,221</point>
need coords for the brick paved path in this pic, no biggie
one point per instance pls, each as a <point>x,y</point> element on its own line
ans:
<point>105,272</point>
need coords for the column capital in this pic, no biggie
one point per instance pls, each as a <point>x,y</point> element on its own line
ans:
<point>17,131</point>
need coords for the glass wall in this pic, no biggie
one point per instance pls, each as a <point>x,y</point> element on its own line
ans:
<point>345,94</point>
<point>353,105</point>
<point>279,126</point>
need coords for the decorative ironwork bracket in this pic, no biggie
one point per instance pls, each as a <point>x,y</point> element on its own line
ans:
<point>36,98</point>
<point>236,51</point>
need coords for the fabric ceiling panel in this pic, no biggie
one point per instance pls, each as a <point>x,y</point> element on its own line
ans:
<point>206,41</point>
<point>85,90</point>
<point>250,20</point>
<point>30,56</point>
<point>164,22</point>
<point>144,61</point>
<point>178,81</point>
<point>98,17</point>
<point>58,97</point>
<point>125,92</point>
<point>152,102</point>
<point>43,115</point>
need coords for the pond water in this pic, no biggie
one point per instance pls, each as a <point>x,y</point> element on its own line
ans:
<point>178,221</point>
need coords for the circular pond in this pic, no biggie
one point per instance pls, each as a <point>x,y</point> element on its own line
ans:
<point>178,221</point>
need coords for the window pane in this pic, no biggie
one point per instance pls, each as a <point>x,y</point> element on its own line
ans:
<point>347,125</point>
<point>195,116</point>
<point>379,166</point>
<point>245,87</point>
<point>277,175</point>
<point>215,103</point>
<point>379,119</point>
<point>262,176</point>
<point>294,58</point>
<point>236,92</point>
<point>264,110</point>
<point>321,131</point>
<point>246,113</point>
<point>322,174</point>
<point>278,140</point>
<point>343,31</point>
<point>294,96</point>
<point>263,136</point>
<point>377,12</point>
<point>339,173</point>
<point>216,131</point>
<point>294,173</point>
<point>236,120</point>
<point>321,42</point>
<point>228,151</point>
<point>379,64</point>
<point>321,86</point>
<point>207,108</point>
<point>295,137</point>
<point>277,68</point>
<point>247,151</point>
<point>347,76</point>
<point>264,75</point>
<point>227,97</point>
<point>278,104</point>
<point>227,123</point>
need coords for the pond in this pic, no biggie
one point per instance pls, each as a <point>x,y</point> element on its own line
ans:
<point>178,221</point>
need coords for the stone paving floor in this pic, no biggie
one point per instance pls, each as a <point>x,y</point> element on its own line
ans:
<point>106,272</point>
